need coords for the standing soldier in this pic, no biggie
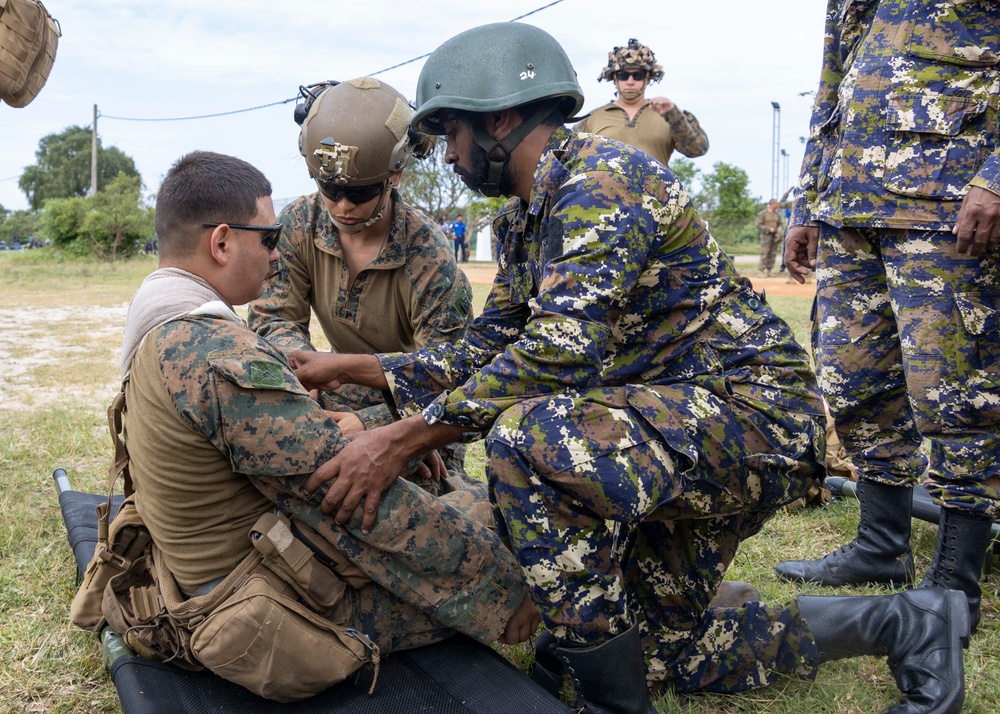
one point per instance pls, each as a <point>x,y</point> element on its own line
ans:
<point>772,230</point>
<point>644,409</point>
<point>655,125</point>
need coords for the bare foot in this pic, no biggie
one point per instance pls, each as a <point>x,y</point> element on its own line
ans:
<point>522,624</point>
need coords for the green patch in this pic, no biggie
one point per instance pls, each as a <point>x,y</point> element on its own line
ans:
<point>266,375</point>
<point>463,302</point>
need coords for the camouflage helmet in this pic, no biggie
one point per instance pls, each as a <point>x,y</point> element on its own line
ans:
<point>357,133</point>
<point>494,67</point>
<point>634,54</point>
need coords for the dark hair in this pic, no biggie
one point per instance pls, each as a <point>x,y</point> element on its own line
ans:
<point>205,187</point>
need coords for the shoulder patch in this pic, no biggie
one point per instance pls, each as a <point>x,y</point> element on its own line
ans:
<point>266,374</point>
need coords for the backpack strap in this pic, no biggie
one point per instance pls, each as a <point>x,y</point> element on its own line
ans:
<point>119,464</point>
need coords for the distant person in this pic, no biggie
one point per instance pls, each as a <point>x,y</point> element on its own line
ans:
<point>461,240</point>
<point>771,230</point>
<point>377,273</point>
<point>898,206</point>
<point>657,126</point>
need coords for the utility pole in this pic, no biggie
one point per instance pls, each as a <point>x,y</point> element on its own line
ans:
<point>784,167</point>
<point>775,147</point>
<point>93,156</point>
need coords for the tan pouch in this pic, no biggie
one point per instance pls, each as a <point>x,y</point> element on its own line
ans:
<point>267,642</point>
<point>28,40</point>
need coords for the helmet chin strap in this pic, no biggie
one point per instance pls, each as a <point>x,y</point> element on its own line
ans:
<point>376,215</point>
<point>498,152</point>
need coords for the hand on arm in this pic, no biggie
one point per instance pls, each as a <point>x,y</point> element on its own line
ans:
<point>329,371</point>
<point>800,251</point>
<point>978,225</point>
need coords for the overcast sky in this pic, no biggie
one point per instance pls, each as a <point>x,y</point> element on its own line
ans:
<point>725,60</point>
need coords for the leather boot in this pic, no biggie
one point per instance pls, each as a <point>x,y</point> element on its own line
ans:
<point>547,670</point>
<point>922,632</point>
<point>879,554</point>
<point>962,541</point>
<point>610,678</point>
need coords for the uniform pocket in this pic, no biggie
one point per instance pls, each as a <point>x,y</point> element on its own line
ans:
<point>936,143</point>
<point>956,32</point>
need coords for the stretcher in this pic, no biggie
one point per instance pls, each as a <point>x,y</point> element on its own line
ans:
<point>456,676</point>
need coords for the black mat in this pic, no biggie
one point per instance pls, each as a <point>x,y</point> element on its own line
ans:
<point>457,676</point>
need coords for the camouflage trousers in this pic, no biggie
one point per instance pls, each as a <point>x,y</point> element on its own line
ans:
<point>612,520</point>
<point>909,355</point>
<point>436,568</point>
<point>770,245</point>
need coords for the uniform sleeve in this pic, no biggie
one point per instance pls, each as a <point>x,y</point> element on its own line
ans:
<point>688,136</point>
<point>759,222</point>
<point>988,176</point>
<point>281,314</point>
<point>248,402</point>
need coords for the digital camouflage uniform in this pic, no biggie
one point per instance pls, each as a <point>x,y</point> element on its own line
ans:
<point>770,242</point>
<point>213,411</point>
<point>645,411</point>
<point>905,122</point>
<point>412,295</point>
<point>657,135</point>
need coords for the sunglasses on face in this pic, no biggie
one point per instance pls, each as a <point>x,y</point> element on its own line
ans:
<point>639,75</point>
<point>355,194</point>
<point>271,233</point>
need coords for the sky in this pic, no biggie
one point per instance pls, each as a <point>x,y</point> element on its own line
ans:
<point>726,61</point>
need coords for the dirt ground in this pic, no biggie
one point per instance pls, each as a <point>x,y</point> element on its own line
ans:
<point>485,272</point>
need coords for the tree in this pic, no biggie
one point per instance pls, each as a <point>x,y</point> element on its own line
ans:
<point>24,224</point>
<point>433,187</point>
<point>62,168</point>
<point>726,202</point>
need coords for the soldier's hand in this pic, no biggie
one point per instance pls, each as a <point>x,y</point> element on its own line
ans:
<point>329,371</point>
<point>522,624</point>
<point>432,467</point>
<point>800,251</point>
<point>348,422</point>
<point>661,105</point>
<point>978,224</point>
<point>362,471</point>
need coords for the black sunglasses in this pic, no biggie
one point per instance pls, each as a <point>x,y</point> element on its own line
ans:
<point>271,233</point>
<point>355,194</point>
<point>638,75</point>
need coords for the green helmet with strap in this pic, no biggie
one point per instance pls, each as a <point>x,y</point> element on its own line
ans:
<point>494,67</point>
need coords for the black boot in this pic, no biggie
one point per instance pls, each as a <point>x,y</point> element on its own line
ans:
<point>547,670</point>
<point>610,678</point>
<point>962,541</point>
<point>879,554</point>
<point>922,632</point>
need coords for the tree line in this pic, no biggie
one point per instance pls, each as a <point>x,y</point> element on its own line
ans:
<point>117,221</point>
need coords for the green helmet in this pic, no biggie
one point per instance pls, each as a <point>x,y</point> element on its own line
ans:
<point>494,67</point>
<point>357,133</point>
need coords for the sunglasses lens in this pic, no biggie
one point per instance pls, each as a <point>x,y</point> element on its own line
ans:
<point>354,194</point>
<point>637,75</point>
<point>270,239</point>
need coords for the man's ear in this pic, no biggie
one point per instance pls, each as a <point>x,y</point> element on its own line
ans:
<point>220,244</point>
<point>500,124</point>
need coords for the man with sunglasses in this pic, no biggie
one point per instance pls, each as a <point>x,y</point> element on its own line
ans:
<point>219,431</point>
<point>378,274</point>
<point>655,125</point>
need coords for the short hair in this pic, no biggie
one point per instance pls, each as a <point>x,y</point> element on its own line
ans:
<point>205,187</point>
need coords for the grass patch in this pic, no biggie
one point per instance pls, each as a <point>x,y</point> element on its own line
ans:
<point>49,666</point>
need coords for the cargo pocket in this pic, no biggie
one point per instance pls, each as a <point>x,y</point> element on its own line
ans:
<point>935,144</point>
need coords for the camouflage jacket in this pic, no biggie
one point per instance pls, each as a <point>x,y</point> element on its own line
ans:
<point>657,135</point>
<point>411,296</point>
<point>769,219</point>
<point>606,277</point>
<point>905,120</point>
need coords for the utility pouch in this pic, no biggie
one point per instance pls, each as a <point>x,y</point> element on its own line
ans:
<point>28,40</point>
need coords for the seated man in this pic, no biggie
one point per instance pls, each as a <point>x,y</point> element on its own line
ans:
<point>219,431</point>
<point>644,410</point>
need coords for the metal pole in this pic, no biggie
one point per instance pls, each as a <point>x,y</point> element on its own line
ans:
<point>93,156</point>
<point>775,147</point>
<point>784,157</point>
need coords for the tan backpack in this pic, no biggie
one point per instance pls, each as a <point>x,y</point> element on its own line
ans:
<point>28,39</point>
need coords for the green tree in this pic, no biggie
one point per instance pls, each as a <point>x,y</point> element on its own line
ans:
<point>62,168</point>
<point>726,203</point>
<point>117,221</point>
<point>62,221</point>
<point>23,224</point>
<point>433,187</point>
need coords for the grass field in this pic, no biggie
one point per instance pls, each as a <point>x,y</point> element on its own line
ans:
<point>60,331</point>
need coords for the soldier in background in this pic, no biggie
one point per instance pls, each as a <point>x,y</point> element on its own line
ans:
<point>377,273</point>
<point>899,206</point>
<point>657,126</point>
<point>772,231</point>
<point>644,410</point>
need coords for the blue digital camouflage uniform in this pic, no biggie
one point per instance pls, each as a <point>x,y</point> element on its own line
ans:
<point>904,123</point>
<point>645,411</point>
<point>214,412</point>
<point>411,296</point>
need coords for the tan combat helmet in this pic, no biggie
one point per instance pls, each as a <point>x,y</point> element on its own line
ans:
<point>356,133</point>
<point>634,54</point>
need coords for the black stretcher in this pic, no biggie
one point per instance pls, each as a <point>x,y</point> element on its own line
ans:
<point>456,676</point>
